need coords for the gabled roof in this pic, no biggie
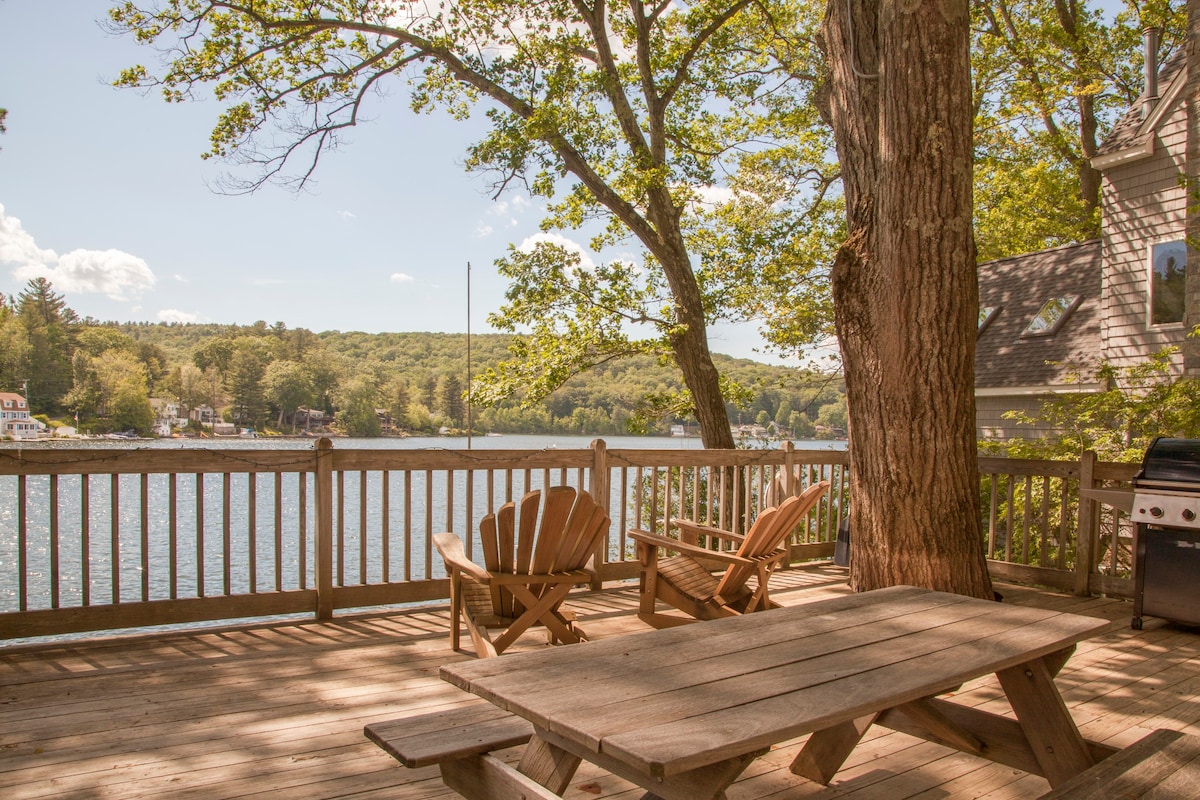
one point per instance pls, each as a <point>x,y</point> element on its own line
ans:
<point>1133,137</point>
<point>1019,286</point>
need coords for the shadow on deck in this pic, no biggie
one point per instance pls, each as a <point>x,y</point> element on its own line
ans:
<point>277,710</point>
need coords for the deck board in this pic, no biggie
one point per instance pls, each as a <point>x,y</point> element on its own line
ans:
<point>271,710</point>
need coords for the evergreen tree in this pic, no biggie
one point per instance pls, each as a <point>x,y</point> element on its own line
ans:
<point>49,330</point>
<point>450,399</point>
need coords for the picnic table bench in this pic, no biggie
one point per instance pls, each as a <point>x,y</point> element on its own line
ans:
<point>1165,765</point>
<point>423,740</point>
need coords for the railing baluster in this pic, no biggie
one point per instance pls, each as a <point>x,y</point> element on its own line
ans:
<point>302,512</point>
<point>55,565</point>
<point>340,545</point>
<point>1044,527</point>
<point>145,515</point>
<point>1025,516</point>
<point>22,544</point>
<point>226,535</point>
<point>1009,518</point>
<point>85,540</point>
<point>408,529</point>
<point>362,526</point>
<point>201,588</point>
<point>278,530</point>
<point>252,530</point>
<point>173,533</point>
<point>385,519</point>
<point>428,544</point>
<point>992,515</point>
<point>114,552</point>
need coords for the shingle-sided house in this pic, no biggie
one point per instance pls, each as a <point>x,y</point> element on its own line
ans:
<point>1120,298</point>
<point>1039,322</point>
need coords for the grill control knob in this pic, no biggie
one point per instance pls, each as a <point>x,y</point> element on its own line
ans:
<point>1189,515</point>
<point>1156,512</point>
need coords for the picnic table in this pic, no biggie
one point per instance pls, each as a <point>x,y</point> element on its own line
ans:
<point>683,711</point>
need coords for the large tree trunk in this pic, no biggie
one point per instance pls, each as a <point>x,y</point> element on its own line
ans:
<point>905,291</point>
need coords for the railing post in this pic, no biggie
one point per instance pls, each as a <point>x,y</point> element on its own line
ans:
<point>1088,526</point>
<point>598,485</point>
<point>323,479</point>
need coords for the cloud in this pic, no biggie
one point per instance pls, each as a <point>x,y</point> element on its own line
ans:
<point>571,246</point>
<point>182,278</point>
<point>483,231</point>
<point>400,277</point>
<point>113,273</point>
<point>713,195</point>
<point>347,214</point>
<point>175,315</point>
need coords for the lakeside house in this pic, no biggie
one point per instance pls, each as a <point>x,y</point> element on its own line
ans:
<point>15,421</point>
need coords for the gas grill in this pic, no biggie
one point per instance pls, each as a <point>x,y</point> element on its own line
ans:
<point>1166,540</point>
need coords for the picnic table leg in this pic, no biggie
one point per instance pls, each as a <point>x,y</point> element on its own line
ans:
<point>1056,742</point>
<point>825,751</point>
<point>702,783</point>
<point>485,777</point>
<point>549,765</point>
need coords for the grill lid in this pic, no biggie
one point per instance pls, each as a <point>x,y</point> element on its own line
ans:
<point>1170,464</point>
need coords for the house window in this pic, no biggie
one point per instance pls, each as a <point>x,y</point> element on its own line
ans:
<point>1052,315</point>
<point>1168,263</point>
<point>986,315</point>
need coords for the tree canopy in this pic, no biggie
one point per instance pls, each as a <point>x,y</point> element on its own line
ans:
<point>1050,79</point>
<point>624,116</point>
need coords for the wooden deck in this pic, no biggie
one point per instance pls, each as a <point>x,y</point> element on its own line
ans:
<point>276,711</point>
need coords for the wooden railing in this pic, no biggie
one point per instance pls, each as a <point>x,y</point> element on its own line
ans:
<point>1037,531</point>
<point>99,539</point>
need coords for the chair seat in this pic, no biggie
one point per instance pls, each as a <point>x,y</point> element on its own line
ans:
<point>687,576</point>
<point>684,582</point>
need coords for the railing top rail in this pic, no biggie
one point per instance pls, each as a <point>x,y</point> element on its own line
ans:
<point>723,458</point>
<point>999,465</point>
<point>81,461</point>
<point>1115,471</point>
<point>354,459</point>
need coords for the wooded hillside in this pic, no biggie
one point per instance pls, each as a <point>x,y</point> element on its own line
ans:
<point>271,377</point>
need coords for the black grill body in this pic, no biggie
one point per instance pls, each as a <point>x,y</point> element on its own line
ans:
<point>1166,508</point>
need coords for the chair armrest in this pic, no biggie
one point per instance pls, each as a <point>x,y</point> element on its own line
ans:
<point>653,539</point>
<point>451,548</point>
<point>695,528</point>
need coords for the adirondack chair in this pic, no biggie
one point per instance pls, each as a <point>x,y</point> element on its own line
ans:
<point>684,582</point>
<point>531,562</point>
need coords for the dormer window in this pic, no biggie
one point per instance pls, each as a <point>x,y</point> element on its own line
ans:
<point>986,315</point>
<point>1051,316</point>
<point>1168,264</point>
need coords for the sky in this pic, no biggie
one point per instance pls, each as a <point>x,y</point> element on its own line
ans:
<point>103,192</point>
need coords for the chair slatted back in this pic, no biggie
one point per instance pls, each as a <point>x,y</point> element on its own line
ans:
<point>518,541</point>
<point>767,533</point>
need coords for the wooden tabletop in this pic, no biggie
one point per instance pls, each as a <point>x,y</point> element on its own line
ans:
<point>672,700</point>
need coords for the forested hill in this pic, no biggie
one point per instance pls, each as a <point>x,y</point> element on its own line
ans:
<point>134,376</point>
<point>416,373</point>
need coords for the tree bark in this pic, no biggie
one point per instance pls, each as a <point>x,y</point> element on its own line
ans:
<point>905,290</point>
